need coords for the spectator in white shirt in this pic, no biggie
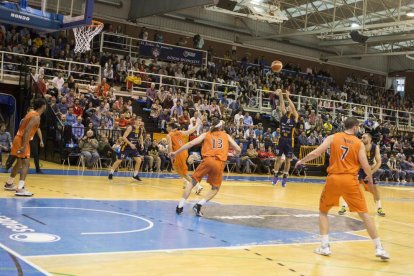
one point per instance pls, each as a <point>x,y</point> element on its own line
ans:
<point>58,82</point>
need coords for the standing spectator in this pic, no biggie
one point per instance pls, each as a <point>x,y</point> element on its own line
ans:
<point>151,94</point>
<point>70,117</point>
<point>103,88</point>
<point>248,120</point>
<point>58,82</point>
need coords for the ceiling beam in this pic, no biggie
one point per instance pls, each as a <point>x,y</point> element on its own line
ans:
<point>343,29</point>
<point>371,40</point>
<point>403,53</point>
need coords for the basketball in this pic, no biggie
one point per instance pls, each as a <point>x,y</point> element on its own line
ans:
<point>276,66</point>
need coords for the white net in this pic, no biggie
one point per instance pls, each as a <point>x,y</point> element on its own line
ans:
<point>85,34</point>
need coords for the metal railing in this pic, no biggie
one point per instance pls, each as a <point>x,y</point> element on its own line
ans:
<point>261,102</point>
<point>130,46</point>
<point>184,84</point>
<point>83,73</point>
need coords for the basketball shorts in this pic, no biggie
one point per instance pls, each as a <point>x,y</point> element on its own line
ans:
<point>361,177</point>
<point>131,153</point>
<point>345,186</point>
<point>213,169</point>
<point>17,144</point>
<point>285,147</point>
<point>180,165</point>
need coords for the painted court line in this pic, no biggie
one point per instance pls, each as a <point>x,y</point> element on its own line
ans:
<point>236,247</point>
<point>14,253</point>
<point>151,224</point>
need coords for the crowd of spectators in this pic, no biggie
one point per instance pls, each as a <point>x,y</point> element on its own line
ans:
<point>94,120</point>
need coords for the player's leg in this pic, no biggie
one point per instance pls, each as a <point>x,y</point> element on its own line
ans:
<point>372,231</point>
<point>202,170</point>
<point>21,191</point>
<point>286,170</point>
<point>114,167</point>
<point>329,198</point>
<point>377,199</point>
<point>343,205</point>
<point>138,162</point>
<point>9,186</point>
<point>215,178</point>
<point>276,169</point>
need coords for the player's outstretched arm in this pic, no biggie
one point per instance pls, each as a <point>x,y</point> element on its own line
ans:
<point>190,144</point>
<point>292,106</point>
<point>191,130</point>
<point>234,144</point>
<point>378,161</point>
<point>279,93</point>
<point>169,143</point>
<point>316,152</point>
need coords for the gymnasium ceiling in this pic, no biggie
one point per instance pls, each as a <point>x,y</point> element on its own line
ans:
<point>318,24</point>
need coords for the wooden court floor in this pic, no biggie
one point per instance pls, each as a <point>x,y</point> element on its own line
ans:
<point>201,246</point>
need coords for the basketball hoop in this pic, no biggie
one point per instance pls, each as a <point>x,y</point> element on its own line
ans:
<point>85,34</point>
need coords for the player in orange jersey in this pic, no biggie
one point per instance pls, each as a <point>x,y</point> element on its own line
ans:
<point>216,143</point>
<point>176,139</point>
<point>21,147</point>
<point>347,155</point>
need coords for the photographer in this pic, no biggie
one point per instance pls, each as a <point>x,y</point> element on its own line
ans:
<point>88,146</point>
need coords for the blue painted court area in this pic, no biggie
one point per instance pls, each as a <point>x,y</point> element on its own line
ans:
<point>71,226</point>
<point>10,264</point>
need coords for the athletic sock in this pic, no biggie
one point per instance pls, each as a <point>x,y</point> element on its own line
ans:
<point>277,174</point>
<point>198,186</point>
<point>181,203</point>
<point>111,171</point>
<point>135,173</point>
<point>21,184</point>
<point>202,202</point>
<point>285,175</point>
<point>10,180</point>
<point>377,243</point>
<point>325,240</point>
<point>378,204</point>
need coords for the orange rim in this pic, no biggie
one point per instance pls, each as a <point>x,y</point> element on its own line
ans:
<point>95,24</point>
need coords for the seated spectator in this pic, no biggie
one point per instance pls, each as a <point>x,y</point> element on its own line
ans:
<point>106,151</point>
<point>103,88</point>
<point>184,120</point>
<point>151,95</point>
<point>177,108</point>
<point>163,120</point>
<point>78,130</point>
<point>254,157</point>
<point>70,117</point>
<point>248,120</point>
<point>122,121</point>
<point>62,107</point>
<point>154,158</point>
<point>163,153</point>
<point>156,109</point>
<point>58,82</point>
<point>88,146</point>
<point>5,141</point>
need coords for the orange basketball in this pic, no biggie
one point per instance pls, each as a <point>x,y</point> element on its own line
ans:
<point>276,66</point>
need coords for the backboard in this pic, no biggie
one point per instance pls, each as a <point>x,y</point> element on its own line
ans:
<point>47,15</point>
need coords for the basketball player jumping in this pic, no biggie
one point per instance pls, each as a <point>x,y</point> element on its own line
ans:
<point>347,156</point>
<point>374,160</point>
<point>175,140</point>
<point>215,148</point>
<point>133,139</point>
<point>21,148</point>
<point>286,140</point>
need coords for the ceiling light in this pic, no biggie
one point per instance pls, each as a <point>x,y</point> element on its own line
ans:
<point>354,25</point>
<point>410,14</point>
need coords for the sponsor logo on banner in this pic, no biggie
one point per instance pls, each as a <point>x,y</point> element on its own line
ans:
<point>19,16</point>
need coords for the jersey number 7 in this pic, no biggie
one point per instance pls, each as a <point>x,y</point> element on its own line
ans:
<point>345,151</point>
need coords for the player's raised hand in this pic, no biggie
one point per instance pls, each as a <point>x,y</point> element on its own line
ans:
<point>287,92</point>
<point>278,92</point>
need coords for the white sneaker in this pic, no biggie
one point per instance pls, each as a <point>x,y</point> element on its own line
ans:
<point>199,189</point>
<point>404,181</point>
<point>324,251</point>
<point>23,192</point>
<point>9,187</point>
<point>381,253</point>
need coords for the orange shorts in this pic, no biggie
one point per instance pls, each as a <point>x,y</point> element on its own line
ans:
<point>17,144</point>
<point>213,169</point>
<point>347,186</point>
<point>180,166</point>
